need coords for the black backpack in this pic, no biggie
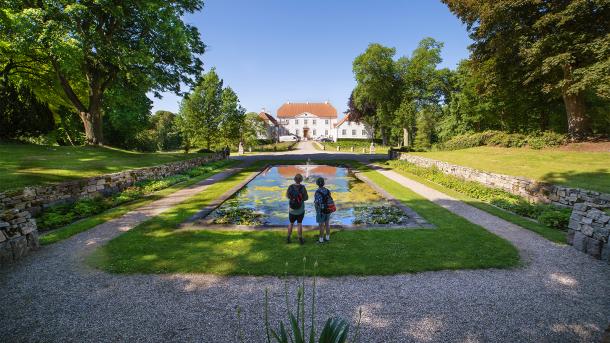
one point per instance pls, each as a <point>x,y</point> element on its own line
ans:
<point>296,196</point>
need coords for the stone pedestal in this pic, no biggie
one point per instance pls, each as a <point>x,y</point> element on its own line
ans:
<point>352,149</point>
<point>240,149</point>
<point>338,148</point>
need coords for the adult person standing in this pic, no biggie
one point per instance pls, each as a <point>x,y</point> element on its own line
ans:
<point>297,195</point>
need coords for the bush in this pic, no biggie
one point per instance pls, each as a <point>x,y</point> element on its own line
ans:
<point>555,217</point>
<point>549,215</point>
<point>205,151</point>
<point>546,139</point>
<point>504,139</point>
<point>61,215</point>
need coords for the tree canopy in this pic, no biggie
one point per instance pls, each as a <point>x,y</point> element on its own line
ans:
<point>81,49</point>
<point>540,49</point>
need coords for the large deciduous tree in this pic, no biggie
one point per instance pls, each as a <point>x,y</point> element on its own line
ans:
<point>201,111</point>
<point>377,83</point>
<point>82,48</point>
<point>558,46</point>
<point>233,118</point>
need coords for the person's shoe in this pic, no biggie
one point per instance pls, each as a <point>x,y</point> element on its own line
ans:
<point>326,239</point>
<point>288,241</point>
<point>320,241</point>
<point>301,240</point>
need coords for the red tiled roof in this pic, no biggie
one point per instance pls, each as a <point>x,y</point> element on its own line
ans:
<point>342,120</point>
<point>324,109</point>
<point>267,117</point>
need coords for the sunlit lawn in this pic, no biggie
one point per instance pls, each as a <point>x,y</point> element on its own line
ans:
<point>156,246</point>
<point>25,165</point>
<point>589,170</point>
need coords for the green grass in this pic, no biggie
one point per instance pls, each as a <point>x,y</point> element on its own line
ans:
<point>588,170</point>
<point>346,146</point>
<point>551,234</point>
<point>156,247</point>
<point>281,146</point>
<point>90,222</point>
<point>26,165</point>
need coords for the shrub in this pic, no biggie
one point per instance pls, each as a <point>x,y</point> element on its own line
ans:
<point>504,139</point>
<point>545,139</point>
<point>555,217</point>
<point>61,215</point>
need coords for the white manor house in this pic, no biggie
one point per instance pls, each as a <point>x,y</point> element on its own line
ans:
<point>313,120</point>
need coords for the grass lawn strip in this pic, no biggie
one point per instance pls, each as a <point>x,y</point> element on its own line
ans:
<point>551,234</point>
<point>90,222</point>
<point>28,165</point>
<point>580,169</point>
<point>157,247</point>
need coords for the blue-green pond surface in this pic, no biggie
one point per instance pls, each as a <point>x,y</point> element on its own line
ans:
<point>263,201</point>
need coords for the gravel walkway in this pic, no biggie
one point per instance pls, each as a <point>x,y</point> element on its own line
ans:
<point>560,295</point>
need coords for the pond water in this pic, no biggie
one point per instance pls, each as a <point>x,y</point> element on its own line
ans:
<point>263,200</point>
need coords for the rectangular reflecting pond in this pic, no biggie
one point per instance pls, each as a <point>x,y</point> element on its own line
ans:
<point>263,200</point>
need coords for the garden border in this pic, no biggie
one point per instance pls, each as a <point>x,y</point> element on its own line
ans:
<point>200,222</point>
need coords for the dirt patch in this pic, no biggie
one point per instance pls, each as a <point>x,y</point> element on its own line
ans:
<point>602,146</point>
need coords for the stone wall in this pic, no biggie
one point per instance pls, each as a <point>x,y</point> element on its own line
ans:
<point>589,225</point>
<point>18,231</point>
<point>531,190</point>
<point>589,230</point>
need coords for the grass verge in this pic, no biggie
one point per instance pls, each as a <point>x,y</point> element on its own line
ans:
<point>90,222</point>
<point>156,247</point>
<point>27,165</point>
<point>551,234</point>
<point>581,169</point>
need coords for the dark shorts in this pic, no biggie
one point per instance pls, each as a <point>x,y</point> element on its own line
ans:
<point>296,217</point>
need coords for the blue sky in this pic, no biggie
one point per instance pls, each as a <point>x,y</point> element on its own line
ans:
<point>273,51</point>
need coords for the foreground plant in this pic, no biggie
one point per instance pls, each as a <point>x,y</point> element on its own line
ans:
<point>335,329</point>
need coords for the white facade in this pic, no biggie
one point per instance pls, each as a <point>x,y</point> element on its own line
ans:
<point>308,125</point>
<point>352,130</point>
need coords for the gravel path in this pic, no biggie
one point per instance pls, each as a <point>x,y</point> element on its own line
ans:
<point>560,295</point>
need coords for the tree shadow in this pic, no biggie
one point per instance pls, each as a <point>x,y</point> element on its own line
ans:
<point>598,180</point>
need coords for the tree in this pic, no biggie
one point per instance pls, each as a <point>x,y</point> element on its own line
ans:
<point>22,114</point>
<point>202,111</point>
<point>253,127</point>
<point>84,47</point>
<point>558,47</point>
<point>126,118</point>
<point>422,86</point>
<point>377,81</point>
<point>167,134</point>
<point>233,119</point>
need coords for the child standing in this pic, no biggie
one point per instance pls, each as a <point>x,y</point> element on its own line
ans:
<point>324,207</point>
<point>297,195</point>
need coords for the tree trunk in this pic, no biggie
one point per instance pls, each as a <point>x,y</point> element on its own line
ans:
<point>384,136</point>
<point>578,122</point>
<point>405,137</point>
<point>579,126</point>
<point>92,121</point>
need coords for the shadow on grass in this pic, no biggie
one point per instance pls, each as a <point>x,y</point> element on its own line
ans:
<point>598,180</point>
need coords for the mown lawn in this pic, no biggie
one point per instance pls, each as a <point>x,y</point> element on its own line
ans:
<point>26,165</point>
<point>156,247</point>
<point>589,170</point>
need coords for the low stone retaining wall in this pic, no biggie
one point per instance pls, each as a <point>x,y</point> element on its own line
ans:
<point>589,230</point>
<point>585,203</point>
<point>531,190</point>
<point>18,231</point>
